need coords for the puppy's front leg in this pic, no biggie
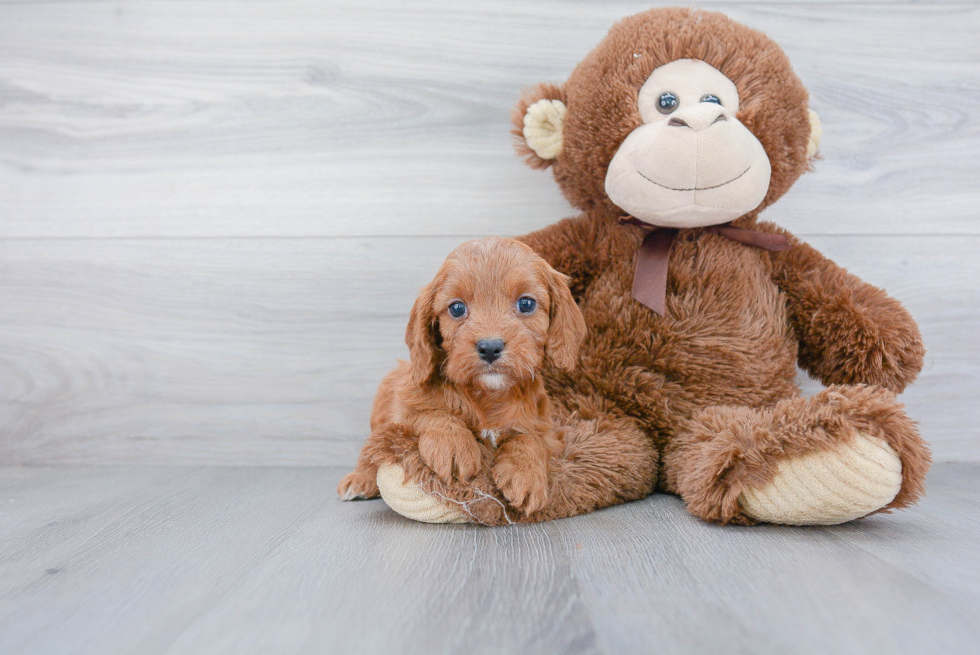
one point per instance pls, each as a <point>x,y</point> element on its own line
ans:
<point>362,482</point>
<point>521,471</point>
<point>448,446</point>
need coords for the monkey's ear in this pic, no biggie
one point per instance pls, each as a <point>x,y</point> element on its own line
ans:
<point>815,133</point>
<point>566,329</point>
<point>422,337</point>
<point>538,119</point>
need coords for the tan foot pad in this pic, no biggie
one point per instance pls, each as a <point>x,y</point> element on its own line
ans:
<point>411,502</point>
<point>829,486</point>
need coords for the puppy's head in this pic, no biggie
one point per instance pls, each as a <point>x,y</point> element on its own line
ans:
<point>492,314</point>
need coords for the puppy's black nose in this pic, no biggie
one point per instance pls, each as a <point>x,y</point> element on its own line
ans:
<point>490,349</point>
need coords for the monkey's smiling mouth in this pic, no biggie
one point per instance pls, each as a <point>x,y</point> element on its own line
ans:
<point>695,188</point>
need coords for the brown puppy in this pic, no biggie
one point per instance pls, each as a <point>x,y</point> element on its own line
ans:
<point>478,335</point>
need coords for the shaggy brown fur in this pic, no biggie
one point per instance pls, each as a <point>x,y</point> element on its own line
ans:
<point>458,410</point>
<point>702,401</point>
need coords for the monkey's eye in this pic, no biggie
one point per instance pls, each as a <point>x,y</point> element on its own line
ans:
<point>667,103</point>
<point>457,309</point>
<point>527,305</point>
<point>710,98</point>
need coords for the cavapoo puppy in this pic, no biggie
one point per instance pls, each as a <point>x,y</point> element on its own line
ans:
<point>478,336</point>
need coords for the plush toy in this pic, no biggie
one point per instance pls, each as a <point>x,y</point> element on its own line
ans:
<point>671,137</point>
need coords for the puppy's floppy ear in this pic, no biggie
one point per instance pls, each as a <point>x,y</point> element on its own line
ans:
<point>538,121</point>
<point>422,336</point>
<point>567,328</point>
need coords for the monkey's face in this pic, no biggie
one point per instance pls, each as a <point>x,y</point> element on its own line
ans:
<point>691,163</point>
<point>680,117</point>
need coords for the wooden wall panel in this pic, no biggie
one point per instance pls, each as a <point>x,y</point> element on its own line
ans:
<point>263,351</point>
<point>214,215</point>
<point>392,118</point>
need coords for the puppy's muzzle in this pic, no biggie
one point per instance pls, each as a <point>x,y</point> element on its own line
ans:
<point>490,349</point>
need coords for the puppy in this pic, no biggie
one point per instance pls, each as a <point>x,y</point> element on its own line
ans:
<point>478,336</point>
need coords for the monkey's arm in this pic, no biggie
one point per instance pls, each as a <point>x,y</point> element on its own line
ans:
<point>569,246</point>
<point>850,332</point>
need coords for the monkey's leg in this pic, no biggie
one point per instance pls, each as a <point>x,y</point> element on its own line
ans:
<point>603,460</point>
<point>411,488</point>
<point>845,453</point>
<point>408,499</point>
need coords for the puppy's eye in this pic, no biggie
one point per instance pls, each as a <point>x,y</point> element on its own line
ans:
<point>667,103</point>
<point>711,98</point>
<point>457,309</point>
<point>527,305</point>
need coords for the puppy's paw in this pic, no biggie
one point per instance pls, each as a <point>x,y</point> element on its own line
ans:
<point>451,455</point>
<point>524,485</point>
<point>358,484</point>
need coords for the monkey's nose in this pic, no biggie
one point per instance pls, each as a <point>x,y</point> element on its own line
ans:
<point>490,349</point>
<point>699,117</point>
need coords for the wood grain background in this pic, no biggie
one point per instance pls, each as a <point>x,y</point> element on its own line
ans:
<point>214,215</point>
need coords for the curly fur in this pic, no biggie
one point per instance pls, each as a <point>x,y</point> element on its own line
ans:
<point>438,410</point>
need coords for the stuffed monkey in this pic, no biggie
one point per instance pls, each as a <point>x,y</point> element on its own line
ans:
<point>670,138</point>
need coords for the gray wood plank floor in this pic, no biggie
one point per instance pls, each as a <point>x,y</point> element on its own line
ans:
<point>266,560</point>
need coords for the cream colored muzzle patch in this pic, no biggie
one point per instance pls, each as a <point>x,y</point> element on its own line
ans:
<point>690,175</point>
<point>691,163</point>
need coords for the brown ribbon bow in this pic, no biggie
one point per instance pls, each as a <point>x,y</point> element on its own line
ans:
<point>650,278</point>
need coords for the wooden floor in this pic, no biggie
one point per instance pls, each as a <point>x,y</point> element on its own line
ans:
<point>266,560</point>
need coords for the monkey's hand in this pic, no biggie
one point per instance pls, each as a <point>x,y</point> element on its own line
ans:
<point>850,332</point>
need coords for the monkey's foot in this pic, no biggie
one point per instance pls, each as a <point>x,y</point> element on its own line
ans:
<point>829,486</point>
<point>411,502</point>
